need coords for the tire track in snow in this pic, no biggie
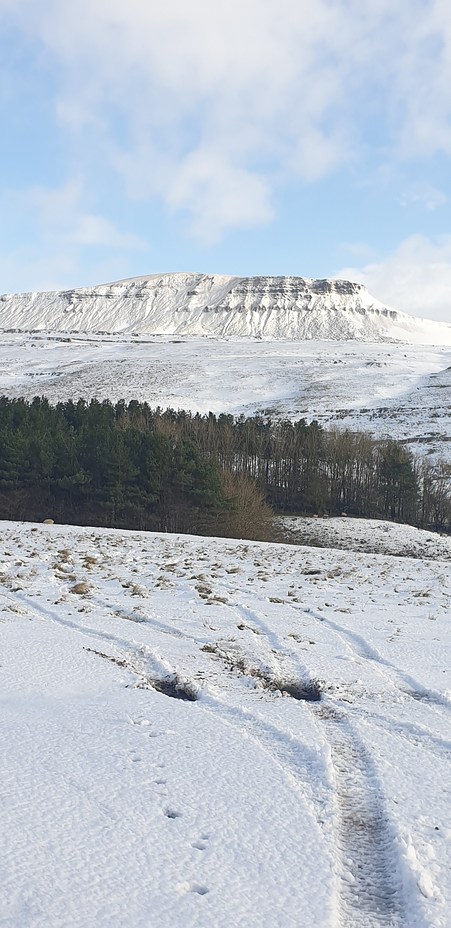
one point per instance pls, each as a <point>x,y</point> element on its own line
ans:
<point>416,735</point>
<point>400,680</point>
<point>278,649</point>
<point>369,888</point>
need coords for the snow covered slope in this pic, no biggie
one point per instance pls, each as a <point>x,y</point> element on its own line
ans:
<point>369,535</point>
<point>215,305</point>
<point>400,391</point>
<point>301,776</point>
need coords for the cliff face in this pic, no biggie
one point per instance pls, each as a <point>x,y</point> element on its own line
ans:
<point>215,305</point>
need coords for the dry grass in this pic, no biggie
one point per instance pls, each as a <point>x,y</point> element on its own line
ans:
<point>80,588</point>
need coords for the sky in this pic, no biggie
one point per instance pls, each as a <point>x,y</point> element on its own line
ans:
<point>300,137</point>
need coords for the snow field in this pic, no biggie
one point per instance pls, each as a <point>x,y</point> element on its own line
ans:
<point>125,807</point>
<point>369,535</point>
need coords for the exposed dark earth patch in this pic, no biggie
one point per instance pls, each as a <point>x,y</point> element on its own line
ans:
<point>171,685</point>
<point>175,688</point>
<point>302,690</point>
<point>109,657</point>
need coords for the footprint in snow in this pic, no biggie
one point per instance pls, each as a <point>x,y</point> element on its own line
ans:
<point>201,843</point>
<point>141,722</point>
<point>198,888</point>
<point>172,813</point>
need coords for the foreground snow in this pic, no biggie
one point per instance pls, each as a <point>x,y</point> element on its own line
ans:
<point>125,807</point>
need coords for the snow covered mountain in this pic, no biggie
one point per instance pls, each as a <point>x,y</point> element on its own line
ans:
<point>220,306</point>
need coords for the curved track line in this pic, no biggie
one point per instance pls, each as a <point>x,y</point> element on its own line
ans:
<point>357,644</point>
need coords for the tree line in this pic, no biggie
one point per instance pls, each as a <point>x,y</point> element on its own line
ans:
<point>126,465</point>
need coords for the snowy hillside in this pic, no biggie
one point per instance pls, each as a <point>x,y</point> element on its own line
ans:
<point>215,305</point>
<point>301,774</point>
<point>369,535</point>
<point>400,391</point>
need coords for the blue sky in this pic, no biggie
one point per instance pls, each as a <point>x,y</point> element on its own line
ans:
<point>304,137</point>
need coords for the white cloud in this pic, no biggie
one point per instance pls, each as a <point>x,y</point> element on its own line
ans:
<point>253,80</point>
<point>60,214</point>
<point>426,195</point>
<point>60,238</point>
<point>218,194</point>
<point>275,90</point>
<point>416,278</point>
<point>22,269</point>
<point>57,268</point>
<point>423,78</point>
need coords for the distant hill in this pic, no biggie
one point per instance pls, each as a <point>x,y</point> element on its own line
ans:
<point>220,306</point>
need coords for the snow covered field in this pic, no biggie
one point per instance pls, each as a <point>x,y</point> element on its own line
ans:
<point>369,535</point>
<point>402,391</point>
<point>304,778</point>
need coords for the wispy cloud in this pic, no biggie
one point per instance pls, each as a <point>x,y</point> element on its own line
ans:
<point>59,233</point>
<point>272,91</point>
<point>424,194</point>
<point>218,194</point>
<point>221,112</point>
<point>59,213</point>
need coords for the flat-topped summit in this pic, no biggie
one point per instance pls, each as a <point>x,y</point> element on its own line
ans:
<point>218,305</point>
